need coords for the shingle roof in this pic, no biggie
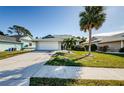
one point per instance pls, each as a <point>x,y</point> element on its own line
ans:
<point>116,37</point>
<point>63,36</point>
<point>49,39</point>
<point>54,38</point>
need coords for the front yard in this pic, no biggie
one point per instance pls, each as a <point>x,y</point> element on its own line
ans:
<point>78,58</point>
<point>7,54</point>
<point>73,82</point>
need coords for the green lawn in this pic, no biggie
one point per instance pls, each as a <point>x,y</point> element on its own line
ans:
<point>73,82</point>
<point>77,58</point>
<point>7,54</point>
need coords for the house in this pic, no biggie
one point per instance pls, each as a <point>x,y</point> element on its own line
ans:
<point>19,43</point>
<point>7,42</point>
<point>114,42</point>
<point>49,42</point>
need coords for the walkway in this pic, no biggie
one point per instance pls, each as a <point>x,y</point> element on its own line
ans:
<point>70,72</point>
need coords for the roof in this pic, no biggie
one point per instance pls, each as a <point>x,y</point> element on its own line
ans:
<point>109,33</point>
<point>115,37</point>
<point>49,39</point>
<point>54,38</point>
<point>63,36</point>
<point>8,39</point>
<point>17,36</point>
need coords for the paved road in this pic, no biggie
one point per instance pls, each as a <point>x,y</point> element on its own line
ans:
<point>80,72</point>
<point>17,70</point>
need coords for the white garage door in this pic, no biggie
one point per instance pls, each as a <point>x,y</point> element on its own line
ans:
<point>47,46</point>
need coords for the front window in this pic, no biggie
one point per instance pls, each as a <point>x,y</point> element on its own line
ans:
<point>30,44</point>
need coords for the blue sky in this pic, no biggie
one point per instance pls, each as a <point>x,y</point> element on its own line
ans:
<point>57,20</point>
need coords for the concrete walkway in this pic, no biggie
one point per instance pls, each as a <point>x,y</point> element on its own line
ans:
<point>17,70</point>
<point>70,72</point>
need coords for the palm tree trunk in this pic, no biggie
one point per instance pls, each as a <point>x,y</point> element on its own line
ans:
<point>90,33</point>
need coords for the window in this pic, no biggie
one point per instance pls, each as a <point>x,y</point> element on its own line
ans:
<point>30,44</point>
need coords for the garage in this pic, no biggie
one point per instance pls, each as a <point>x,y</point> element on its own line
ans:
<point>48,44</point>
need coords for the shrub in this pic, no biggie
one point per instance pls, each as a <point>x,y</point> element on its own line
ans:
<point>121,49</point>
<point>84,48</point>
<point>104,48</point>
<point>93,47</point>
<point>58,54</point>
<point>78,48</point>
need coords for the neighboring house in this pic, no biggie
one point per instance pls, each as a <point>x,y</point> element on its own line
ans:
<point>22,42</point>
<point>114,42</point>
<point>7,42</point>
<point>53,43</point>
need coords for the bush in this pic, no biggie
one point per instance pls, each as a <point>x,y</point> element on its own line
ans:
<point>104,48</point>
<point>93,47</point>
<point>84,48</point>
<point>58,54</point>
<point>121,49</point>
<point>78,48</point>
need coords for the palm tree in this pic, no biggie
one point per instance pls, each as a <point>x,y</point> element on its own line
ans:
<point>69,43</point>
<point>92,18</point>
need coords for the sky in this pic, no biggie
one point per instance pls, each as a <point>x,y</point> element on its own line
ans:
<point>57,20</point>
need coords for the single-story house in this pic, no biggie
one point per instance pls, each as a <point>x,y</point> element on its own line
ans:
<point>114,42</point>
<point>53,42</point>
<point>23,42</point>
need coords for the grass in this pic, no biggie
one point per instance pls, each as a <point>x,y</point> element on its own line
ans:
<point>77,58</point>
<point>7,54</point>
<point>73,82</point>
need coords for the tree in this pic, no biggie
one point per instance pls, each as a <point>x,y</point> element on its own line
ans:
<point>69,43</point>
<point>48,36</point>
<point>36,37</point>
<point>19,30</point>
<point>1,33</point>
<point>92,18</point>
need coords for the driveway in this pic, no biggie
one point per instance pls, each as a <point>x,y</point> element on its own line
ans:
<point>17,70</point>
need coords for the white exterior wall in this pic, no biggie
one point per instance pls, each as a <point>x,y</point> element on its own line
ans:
<point>26,41</point>
<point>6,45</point>
<point>113,46</point>
<point>55,45</point>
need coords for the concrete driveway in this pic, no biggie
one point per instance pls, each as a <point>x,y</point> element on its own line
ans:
<point>17,70</point>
